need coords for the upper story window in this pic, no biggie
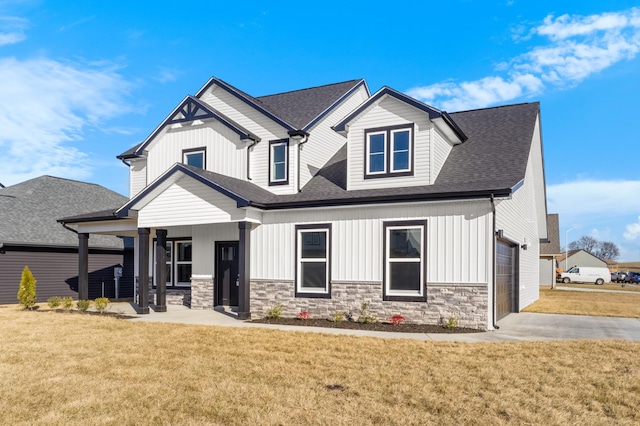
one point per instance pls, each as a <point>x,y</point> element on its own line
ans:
<point>279,162</point>
<point>389,151</point>
<point>194,157</point>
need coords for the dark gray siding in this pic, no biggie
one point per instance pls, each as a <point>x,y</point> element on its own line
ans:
<point>56,272</point>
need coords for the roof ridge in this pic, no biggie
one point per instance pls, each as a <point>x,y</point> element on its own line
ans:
<point>309,88</point>
<point>496,107</point>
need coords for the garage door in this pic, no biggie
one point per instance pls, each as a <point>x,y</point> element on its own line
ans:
<point>506,290</point>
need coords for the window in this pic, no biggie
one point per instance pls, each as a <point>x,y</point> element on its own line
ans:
<point>404,261</point>
<point>388,152</point>
<point>194,157</point>
<point>279,162</point>
<point>312,265</point>
<point>179,263</point>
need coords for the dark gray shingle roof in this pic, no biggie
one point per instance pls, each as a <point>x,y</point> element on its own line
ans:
<point>300,107</point>
<point>29,210</point>
<point>553,227</point>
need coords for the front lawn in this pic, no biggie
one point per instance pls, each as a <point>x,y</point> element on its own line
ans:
<point>587,303</point>
<point>605,286</point>
<point>60,369</point>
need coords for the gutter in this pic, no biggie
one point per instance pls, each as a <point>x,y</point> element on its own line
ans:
<point>493,260</point>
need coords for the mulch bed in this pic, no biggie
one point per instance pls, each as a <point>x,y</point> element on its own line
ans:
<point>377,326</point>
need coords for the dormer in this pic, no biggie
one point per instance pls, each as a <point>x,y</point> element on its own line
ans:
<point>394,140</point>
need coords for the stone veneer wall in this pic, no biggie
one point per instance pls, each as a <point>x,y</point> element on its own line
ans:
<point>469,302</point>
<point>201,292</point>
<point>180,297</point>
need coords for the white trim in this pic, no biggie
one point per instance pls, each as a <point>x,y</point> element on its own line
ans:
<point>388,260</point>
<point>392,150</point>
<point>384,153</point>
<point>300,260</point>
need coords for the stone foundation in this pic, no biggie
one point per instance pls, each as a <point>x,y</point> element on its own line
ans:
<point>179,297</point>
<point>467,302</point>
<point>202,292</point>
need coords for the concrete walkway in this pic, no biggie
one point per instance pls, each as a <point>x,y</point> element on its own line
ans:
<point>515,327</point>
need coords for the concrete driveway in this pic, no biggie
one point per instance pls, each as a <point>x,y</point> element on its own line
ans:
<point>515,327</point>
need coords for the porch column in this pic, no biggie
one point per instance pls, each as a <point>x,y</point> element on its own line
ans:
<point>244,291</point>
<point>143,271</point>
<point>83,267</point>
<point>161,271</point>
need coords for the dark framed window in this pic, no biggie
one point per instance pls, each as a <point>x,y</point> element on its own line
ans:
<point>195,157</point>
<point>179,262</point>
<point>389,151</point>
<point>313,266</point>
<point>279,162</point>
<point>404,261</point>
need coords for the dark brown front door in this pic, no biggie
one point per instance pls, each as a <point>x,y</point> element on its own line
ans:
<point>227,273</point>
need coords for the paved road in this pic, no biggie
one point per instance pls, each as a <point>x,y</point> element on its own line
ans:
<point>515,327</point>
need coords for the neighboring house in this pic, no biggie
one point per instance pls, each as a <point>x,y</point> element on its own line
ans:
<point>579,258</point>
<point>30,236</point>
<point>549,251</point>
<point>327,197</point>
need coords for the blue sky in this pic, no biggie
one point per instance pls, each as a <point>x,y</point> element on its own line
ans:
<point>81,82</point>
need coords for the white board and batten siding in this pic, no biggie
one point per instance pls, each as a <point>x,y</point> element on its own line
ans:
<point>263,127</point>
<point>519,223</point>
<point>188,202</point>
<point>225,152</point>
<point>323,141</point>
<point>457,241</point>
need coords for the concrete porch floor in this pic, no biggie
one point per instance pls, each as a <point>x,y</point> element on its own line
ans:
<point>515,327</point>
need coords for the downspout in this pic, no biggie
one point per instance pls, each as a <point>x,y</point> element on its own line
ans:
<point>124,161</point>
<point>493,260</point>
<point>300,143</point>
<point>65,226</point>
<point>248,159</point>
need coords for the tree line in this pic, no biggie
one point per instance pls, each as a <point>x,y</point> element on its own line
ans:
<point>600,249</point>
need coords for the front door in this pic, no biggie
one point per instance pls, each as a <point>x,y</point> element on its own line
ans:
<point>227,273</point>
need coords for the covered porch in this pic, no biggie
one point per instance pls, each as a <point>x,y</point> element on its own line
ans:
<point>192,244</point>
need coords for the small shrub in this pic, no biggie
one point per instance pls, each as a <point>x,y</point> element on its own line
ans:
<point>83,305</point>
<point>66,303</point>
<point>54,302</point>
<point>27,291</point>
<point>337,316</point>
<point>101,304</point>
<point>275,312</point>
<point>366,317</point>
<point>303,315</point>
<point>397,319</point>
<point>452,321</point>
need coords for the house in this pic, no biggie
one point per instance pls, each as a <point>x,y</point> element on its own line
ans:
<point>30,236</point>
<point>549,251</point>
<point>326,197</point>
<point>579,258</point>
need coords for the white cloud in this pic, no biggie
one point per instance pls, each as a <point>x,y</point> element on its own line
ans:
<point>632,231</point>
<point>12,30</point>
<point>575,47</point>
<point>587,199</point>
<point>47,105</point>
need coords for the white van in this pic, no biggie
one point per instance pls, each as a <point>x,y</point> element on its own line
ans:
<point>586,274</point>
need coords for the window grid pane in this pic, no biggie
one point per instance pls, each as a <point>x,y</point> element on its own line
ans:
<point>279,162</point>
<point>400,156</point>
<point>404,260</point>
<point>195,159</point>
<point>312,261</point>
<point>377,153</point>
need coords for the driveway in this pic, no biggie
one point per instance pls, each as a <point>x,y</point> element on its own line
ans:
<point>514,327</point>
